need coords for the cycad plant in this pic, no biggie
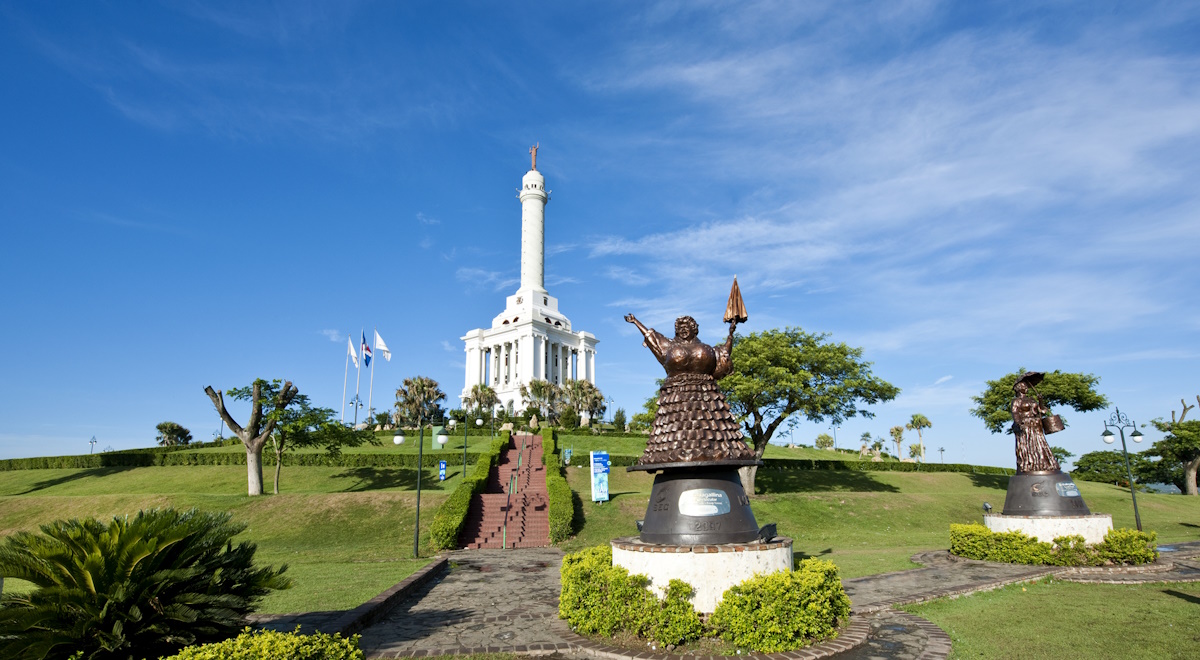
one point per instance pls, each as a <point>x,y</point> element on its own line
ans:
<point>139,587</point>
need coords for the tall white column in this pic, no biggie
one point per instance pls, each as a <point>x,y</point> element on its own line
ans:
<point>592,367</point>
<point>533,230</point>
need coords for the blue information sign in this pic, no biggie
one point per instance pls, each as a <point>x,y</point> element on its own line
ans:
<point>441,470</point>
<point>567,456</point>
<point>600,467</point>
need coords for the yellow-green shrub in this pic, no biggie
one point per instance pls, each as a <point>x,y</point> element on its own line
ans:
<point>599,598</point>
<point>783,611</point>
<point>272,645</point>
<point>1120,546</point>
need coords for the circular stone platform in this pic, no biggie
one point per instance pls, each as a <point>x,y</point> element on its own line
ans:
<point>1045,528</point>
<point>710,569</point>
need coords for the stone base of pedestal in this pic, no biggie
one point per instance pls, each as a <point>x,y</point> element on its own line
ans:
<point>710,569</point>
<point>1046,528</point>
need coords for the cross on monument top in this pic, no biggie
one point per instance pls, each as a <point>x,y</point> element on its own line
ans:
<point>533,151</point>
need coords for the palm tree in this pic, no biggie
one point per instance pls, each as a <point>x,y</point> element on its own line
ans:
<point>583,396</point>
<point>917,423</point>
<point>897,437</point>
<point>145,585</point>
<point>482,397</point>
<point>418,398</point>
<point>544,395</point>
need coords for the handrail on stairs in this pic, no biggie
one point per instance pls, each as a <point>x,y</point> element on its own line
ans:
<point>507,505</point>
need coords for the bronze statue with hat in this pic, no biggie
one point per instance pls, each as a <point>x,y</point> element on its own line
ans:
<point>1040,487</point>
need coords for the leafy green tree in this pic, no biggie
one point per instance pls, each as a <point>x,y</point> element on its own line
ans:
<point>780,373</point>
<point>917,423</point>
<point>383,420</point>
<point>619,419</point>
<point>823,441</point>
<point>133,588</point>
<point>418,400</point>
<point>914,451</point>
<point>1061,455</point>
<point>1181,444</point>
<point>301,425</point>
<point>171,434</point>
<point>569,418</point>
<point>877,445</point>
<point>1075,391</point>
<point>897,437</point>
<point>274,396</point>
<point>1108,467</point>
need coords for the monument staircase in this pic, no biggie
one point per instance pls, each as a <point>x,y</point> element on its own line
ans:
<point>512,511</point>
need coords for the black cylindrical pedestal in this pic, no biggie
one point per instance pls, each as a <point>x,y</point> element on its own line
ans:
<point>1043,494</point>
<point>698,506</point>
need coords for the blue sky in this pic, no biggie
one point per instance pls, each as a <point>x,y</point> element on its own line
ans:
<point>199,194</point>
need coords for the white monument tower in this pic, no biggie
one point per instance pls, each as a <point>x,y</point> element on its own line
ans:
<point>530,339</point>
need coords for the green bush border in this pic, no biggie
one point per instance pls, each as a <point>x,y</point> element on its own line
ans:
<point>580,460</point>
<point>271,644</point>
<point>157,458</point>
<point>1120,546</point>
<point>781,611</point>
<point>561,505</point>
<point>448,519</point>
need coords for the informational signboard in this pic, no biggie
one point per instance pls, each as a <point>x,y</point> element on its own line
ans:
<point>599,476</point>
<point>441,470</point>
<point>567,456</point>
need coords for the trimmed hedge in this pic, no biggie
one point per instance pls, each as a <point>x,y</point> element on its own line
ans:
<point>1120,546</point>
<point>783,611</point>
<point>599,598</point>
<point>271,645</point>
<point>561,505</point>
<point>580,460</point>
<point>448,520</point>
<point>145,458</point>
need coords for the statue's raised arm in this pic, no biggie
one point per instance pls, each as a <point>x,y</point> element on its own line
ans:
<point>655,341</point>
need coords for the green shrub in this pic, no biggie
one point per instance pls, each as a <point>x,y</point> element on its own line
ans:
<point>150,584</point>
<point>272,645</point>
<point>599,598</point>
<point>1120,546</point>
<point>1128,546</point>
<point>448,519</point>
<point>561,505</point>
<point>783,611</point>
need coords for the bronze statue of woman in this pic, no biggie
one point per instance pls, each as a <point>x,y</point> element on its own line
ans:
<point>693,423</point>
<point>1033,452</point>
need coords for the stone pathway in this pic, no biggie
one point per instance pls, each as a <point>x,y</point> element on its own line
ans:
<point>507,601</point>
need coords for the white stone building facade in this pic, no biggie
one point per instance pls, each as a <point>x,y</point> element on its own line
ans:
<point>531,338</point>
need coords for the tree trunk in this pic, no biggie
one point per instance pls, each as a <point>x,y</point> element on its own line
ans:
<point>254,470</point>
<point>278,466</point>
<point>747,474</point>
<point>1189,475</point>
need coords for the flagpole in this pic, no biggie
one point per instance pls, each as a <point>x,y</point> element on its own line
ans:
<point>371,388</point>
<point>345,378</point>
<point>358,388</point>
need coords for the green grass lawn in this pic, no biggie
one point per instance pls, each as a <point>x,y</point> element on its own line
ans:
<point>345,533</point>
<point>476,444</point>
<point>1054,619</point>
<point>870,522</point>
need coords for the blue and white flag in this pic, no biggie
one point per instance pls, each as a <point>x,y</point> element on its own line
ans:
<point>366,351</point>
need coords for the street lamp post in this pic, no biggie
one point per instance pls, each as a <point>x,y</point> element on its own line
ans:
<point>399,440</point>
<point>478,423</point>
<point>1120,422</point>
<point>92,442</point>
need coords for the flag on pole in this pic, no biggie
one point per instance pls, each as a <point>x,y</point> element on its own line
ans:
<point>366,351</point>
<point>382,347</point>
<point>350,347</point>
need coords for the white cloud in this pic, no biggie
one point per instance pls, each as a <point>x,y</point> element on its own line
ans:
<point>333,335</point>
<point>426,220</point>
<point>941,380</point>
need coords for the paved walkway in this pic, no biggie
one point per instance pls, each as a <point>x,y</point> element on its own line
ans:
<point>507,601</point>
